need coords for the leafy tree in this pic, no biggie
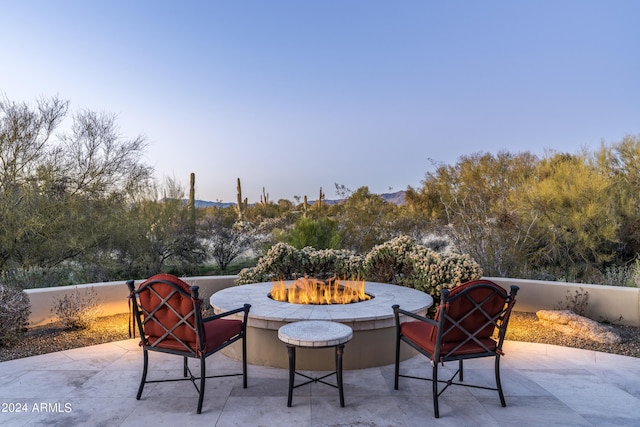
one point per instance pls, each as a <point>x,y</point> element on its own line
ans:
<point>620,163</point>
<point>226,239</point>
<point>365,220</point>
<point>161,236</point>
<point>575,227</point>
<point>472,203</point>
<point>61,196</point>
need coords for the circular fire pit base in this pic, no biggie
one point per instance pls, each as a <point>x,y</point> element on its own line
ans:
<point>366,349</point>
<point>372,321</point>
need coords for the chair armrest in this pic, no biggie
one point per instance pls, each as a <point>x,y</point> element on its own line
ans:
<point>244,309</point>
<point>397,311</point>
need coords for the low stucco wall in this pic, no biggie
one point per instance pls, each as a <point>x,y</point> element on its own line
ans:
<point>614,304</point>
<point>610,303</point>
<point>113,296</point>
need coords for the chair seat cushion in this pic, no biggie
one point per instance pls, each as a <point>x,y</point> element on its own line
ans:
<point>219,331</point>
<point>421,333</point>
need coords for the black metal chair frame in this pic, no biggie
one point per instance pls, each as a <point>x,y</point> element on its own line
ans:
<point>499,320</point>
<point>141,317</point>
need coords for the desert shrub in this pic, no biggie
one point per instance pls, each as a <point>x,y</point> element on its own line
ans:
<point>404,262</point>
<point>15,308</point>
<point>76,311</point>
<point>325,263</point>
<point>399,261</point>
<point>390,262</point>
<point>626,275</point>
<point>437,242</point>
<point>576,302</point>
<point>63,274</point>
<point>284,261</point>
<point>35,277</point>
<point>321,233</point>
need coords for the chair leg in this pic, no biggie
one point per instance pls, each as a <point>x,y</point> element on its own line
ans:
<point>461,368</point>
<point>397,370</point>
<point>203,378</point>
<point>434,389</point>
<point>244,361</point>
<point>143,380</point>
<point>499,383</point>
<point>185,369</point>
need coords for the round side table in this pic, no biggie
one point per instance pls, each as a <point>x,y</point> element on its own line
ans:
<point>315,334</point>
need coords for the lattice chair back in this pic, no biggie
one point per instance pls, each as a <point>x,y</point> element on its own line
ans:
<point>168,314</point>
<point>468,316</point>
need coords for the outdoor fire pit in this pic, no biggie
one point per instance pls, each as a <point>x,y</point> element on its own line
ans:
<point>372,322</point>
<point>308,290</point>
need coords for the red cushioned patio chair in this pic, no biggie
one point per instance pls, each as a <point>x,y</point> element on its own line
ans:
<point>168,314</point>
<point>463,328</point>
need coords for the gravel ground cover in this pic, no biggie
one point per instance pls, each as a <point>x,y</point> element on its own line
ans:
<point>522,327</point>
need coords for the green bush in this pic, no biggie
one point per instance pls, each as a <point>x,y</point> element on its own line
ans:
<point>75,311</point>
<point>321,233</point>
<point>35,277</point>
<point>15,308</point>
<point>399,261</point>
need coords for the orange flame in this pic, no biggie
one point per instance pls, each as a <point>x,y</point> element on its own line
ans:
<point>313,291</point>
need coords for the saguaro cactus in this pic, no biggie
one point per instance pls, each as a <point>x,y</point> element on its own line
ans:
<point>305,207</point>
<point>264,198</point>
<point>320,198</point>
<point>191,205</point>
<point>241,207</point>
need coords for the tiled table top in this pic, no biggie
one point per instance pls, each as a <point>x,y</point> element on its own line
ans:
<point>315,333</point>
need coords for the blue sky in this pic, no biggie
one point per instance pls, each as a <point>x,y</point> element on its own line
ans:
<point>297,95</point>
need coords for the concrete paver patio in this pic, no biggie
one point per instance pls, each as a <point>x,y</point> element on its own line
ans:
<point>96,386</point>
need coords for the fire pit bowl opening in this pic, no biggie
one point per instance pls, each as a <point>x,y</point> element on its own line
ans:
<point>309,290</point>
<point>372,321</point>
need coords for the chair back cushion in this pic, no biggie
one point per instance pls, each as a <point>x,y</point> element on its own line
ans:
<point>168,311</point>
<point>467,305</point>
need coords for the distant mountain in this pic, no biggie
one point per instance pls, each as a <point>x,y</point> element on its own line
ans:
<point>396,198</point>
<point>207,204</point>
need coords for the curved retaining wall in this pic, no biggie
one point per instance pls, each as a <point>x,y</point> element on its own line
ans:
<point>113,296</point>
<point>609,303</point>
<point>614,304</point>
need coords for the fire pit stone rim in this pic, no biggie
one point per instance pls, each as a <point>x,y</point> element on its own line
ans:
<point>375,313</point>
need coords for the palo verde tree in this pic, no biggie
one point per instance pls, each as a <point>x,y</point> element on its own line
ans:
<point>60,192</point>
<point>364,220</point>
<point>471,203</point>
<point>161,236</point>
<point>620,164</point>
<point>576,228</point>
